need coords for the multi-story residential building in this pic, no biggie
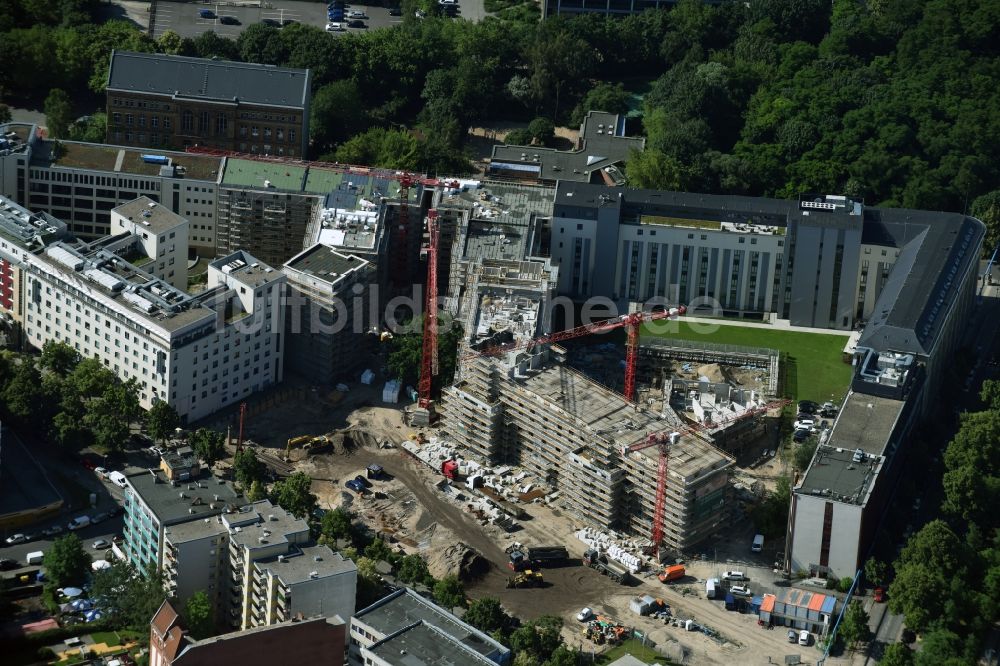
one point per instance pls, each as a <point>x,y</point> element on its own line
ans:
<point>162,234</point>
<point>81,182</point>
<point>417,622</point>
<point>167,101</point>
<point>317,640</point>
<point>90,296</point>
<point>601,147</point>
<point>329,313</point>
<point>255,561</point>
<point>155,510</point>
<point>536,412</point>
<point>277,572</point>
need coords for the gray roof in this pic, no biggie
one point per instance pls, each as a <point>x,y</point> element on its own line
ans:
<point>165,499</point>
<point>201,78</point>
<point>602,143</point>
<point>300,563</point>
<point>865,422</point>
<point>405,607</point>
<point>325,263</point>
<point>155,217</point>
<point>423,644</point>
<point>938,249</point>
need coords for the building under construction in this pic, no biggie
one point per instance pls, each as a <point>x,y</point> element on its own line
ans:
<point>263,208</point>
<point>534,411</point>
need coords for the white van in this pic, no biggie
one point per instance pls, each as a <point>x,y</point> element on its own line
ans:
<point>78,523</point>
<point>710,587</point>
<point>118,479</point>
<point>35,557</point>
<point>758,543</point>
<point>803,637</point>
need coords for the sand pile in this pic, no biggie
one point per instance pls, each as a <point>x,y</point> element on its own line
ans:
<point>458,560</point>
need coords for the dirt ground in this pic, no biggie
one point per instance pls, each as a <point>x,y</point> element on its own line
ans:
<point>409,505</point>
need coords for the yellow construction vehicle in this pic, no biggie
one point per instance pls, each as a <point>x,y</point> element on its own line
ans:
<point>296,441</point>
<point>526,578</point>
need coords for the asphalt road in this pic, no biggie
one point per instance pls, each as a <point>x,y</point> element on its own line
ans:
<point>184,19</point>
<point>88,535</point>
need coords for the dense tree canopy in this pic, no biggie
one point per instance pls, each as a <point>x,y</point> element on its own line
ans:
<point>892,101</point>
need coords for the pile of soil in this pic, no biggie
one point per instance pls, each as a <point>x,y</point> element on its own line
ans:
<point>458,560</point>
<point>712,371</point>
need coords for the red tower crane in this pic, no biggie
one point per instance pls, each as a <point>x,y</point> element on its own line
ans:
<point>429,357</point>
<point>665,440</point>
<point>631,322</point>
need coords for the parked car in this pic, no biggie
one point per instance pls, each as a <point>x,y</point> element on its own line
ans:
<point>735,576</point>
<point>101,472</point>
<point>78,523</point>
<point>803,637</point>
<point>116,510</point>
<point>6,564</point>
<point>229,20</point>
<point>395,11</point>
<point>357,23</point>
<point>55,530</point>
<point>808,406</point>
<point>206,13</point>
<point>118,539</point>
<point>16,539</point>
<point>363,481</point>
<point>356,14</point>
<point>584,615</point>
<point>793,636</point>
<point>805,424</point>
<point>879,595</point>
<point>335,27</point>
<point>101,544</point>
<point>100,517</point>
<point>274,23</point>
<point>801,435</point>
<point>741,591</point>
<point>355,486</point>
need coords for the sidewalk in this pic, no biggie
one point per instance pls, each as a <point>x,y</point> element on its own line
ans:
<point>778,325</point>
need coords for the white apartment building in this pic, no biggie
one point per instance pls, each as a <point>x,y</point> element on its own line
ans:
<point>199,352</point>
<point>162,234</point>
<point>277,572</point>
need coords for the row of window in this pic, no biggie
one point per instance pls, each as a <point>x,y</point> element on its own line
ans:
<point>139,104</point>
<point>140,121</point>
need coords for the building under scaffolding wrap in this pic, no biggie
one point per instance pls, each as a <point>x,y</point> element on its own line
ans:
<point>536,412</point>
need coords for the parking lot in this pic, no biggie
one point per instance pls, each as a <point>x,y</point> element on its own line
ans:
<point>184,18</point>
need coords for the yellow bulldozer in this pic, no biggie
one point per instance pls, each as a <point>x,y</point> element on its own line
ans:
<point>526,578</point>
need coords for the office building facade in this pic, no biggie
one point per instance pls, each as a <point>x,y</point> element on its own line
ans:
<point>156,100</point>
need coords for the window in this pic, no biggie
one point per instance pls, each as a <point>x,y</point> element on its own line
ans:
<point>221,124</point>
<point>116,118</point>
<point>142,120</point>
<point>291,136</point>
<point>154,122</point>
<point>128,118</point>
<point>187,121</point>
<point>203,122</point>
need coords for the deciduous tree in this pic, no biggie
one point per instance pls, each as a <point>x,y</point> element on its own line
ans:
<point>161,420</point>
<point>209,445</point>
<point>294,495</point>
<point>449,592</point>
<point>199,615</point>
<point>66,562</point>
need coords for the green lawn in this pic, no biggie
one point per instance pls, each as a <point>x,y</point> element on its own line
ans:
<point>109,637</point>
<point>635,648</point>
<point>814,369</point>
